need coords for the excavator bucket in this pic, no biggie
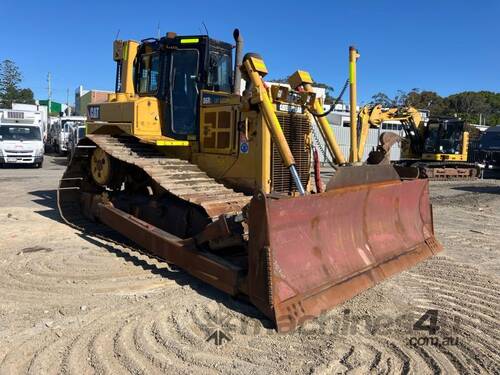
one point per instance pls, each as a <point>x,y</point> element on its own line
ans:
<point>310,253</point>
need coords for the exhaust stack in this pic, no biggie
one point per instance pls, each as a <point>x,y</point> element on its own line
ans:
<point>238,61</point>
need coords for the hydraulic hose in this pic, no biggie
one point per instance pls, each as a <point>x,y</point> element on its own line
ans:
<point>332,107</point>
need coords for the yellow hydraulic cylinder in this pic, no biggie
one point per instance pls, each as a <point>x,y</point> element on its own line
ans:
<point>353,56</point>
<point>326,129</point>
<point>255,69</point>
<point>303,79</point>
<point>364,115</point>
<point>465,146</point>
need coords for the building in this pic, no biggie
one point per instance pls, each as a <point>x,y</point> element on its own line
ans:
<point>55,107</point>
<point>85,97</point>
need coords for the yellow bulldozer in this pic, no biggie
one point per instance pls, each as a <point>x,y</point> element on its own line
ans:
<point>215,178</point>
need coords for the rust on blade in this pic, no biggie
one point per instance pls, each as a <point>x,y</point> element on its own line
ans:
<point>325,248</point>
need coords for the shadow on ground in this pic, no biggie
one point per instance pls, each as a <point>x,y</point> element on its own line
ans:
<point>479,189</point>
<point>183,278</point>
<point>48,198</point>
<point>58,159</point>
<point>17,166</point>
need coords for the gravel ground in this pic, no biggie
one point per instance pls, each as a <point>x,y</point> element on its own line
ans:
<point>74,304</point>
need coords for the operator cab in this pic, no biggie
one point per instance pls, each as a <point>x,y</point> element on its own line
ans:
<point>175,69</point>
<point>444,136</point>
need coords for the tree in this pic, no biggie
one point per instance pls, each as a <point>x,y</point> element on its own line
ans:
<point>382,99</point>
<point>429,100</point>
<point>401,99</point>
<point>468,105</point>
<point>10,78</point>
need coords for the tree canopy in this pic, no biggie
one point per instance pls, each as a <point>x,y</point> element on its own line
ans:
<point>468,105</point>
<point>10,79</point>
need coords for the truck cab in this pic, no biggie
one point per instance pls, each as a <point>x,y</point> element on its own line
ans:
<point>62,130</point>
<point>21,138</point>
<point>77,132</point>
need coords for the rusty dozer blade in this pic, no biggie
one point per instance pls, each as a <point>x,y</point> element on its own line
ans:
<point>308,254</point>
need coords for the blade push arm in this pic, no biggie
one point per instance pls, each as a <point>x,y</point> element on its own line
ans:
<point>302,79</point>
<point>255,69</point>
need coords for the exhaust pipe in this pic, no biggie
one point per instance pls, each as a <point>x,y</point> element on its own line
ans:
<point>238,61</point>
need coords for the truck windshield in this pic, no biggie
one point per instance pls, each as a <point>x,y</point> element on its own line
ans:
<point>81,133</point>
<point>67,124</point>
<point>20,133</point>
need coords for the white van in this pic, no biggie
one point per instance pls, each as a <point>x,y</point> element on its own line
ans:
<point>21,139</point>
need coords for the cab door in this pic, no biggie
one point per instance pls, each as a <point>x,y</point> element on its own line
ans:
<point>184,93</point>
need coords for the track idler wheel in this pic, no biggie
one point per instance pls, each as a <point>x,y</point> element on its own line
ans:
<point>101,167</point>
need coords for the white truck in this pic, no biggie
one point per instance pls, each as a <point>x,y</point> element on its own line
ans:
<point>77,132</point>
<point>40,113</point>
<point>21,138</point>
<point>59,132</point>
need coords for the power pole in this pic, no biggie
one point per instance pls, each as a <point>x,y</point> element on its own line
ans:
<point>68,110</point>
<point>49,93</point>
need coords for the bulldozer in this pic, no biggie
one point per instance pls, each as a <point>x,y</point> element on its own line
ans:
<point>214,178</point>
<point>437,149</point>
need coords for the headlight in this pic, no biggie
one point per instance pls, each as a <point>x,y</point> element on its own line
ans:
<point>39,152</point>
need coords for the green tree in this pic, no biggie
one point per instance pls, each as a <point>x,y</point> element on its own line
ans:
<point>400,99</point>
<point>10,78</point>
<point>429,100</point>
<point>468,105</point>
<point>382,99</point>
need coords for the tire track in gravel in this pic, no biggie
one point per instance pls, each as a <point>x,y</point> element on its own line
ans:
<point>70,283</point>
<point>122,331</point>
<point>460,291</point>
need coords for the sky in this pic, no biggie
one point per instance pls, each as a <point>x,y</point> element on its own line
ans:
<point>445,46</point>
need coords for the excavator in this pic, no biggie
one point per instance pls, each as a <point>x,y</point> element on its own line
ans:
<point>437,149</point>
<point>213,177</point>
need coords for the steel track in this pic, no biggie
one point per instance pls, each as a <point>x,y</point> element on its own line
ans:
<point>177,177</point>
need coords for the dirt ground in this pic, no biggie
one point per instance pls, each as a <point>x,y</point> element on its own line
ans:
<point>74,304</point>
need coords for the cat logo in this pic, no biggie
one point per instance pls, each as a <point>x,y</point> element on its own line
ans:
<point>94,112</point>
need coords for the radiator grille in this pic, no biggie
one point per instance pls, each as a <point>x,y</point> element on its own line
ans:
<point>297,129</point>
<point>15,115</point>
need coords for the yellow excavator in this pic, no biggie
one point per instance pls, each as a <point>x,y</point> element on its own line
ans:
<point>215,178</point>
<point>437,149</point>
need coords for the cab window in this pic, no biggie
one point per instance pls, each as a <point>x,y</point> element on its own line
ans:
<point>149,71</point>
<point>219,72</point>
